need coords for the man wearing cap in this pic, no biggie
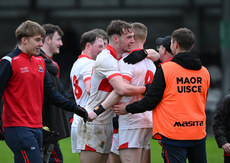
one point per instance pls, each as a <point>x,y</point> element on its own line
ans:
<point>163,47</point>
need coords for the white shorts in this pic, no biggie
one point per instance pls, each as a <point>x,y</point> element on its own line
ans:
<point>94,137</point>
<point>135,138</point>
<point>74,140</point>
<point>114,147</point>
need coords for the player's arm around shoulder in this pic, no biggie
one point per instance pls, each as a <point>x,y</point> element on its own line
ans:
<point>153,55</point>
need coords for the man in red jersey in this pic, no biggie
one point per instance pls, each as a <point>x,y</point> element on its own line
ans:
<point>24,80</point>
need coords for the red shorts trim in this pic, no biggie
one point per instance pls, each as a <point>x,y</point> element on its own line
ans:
<point>123,146</point>
<point>88,148</point>
<point>115,131</point>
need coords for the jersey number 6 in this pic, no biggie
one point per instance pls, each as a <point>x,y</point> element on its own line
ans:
<point>77,90</point>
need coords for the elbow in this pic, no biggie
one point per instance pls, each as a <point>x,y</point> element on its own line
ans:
<point>121,92</point>
<point>155,57</point>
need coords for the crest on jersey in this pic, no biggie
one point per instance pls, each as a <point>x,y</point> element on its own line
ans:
<point>40,69</point>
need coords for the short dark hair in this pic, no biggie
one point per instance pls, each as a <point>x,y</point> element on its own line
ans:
<point>102,33</point>
<point>184,37</point>
<point>28,29</point>
<point>118,27</point>
<point>88,37</point>
<point>51,29</point>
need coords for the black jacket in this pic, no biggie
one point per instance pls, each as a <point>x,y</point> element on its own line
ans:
<point>54,118</point>
<point>221,125</point>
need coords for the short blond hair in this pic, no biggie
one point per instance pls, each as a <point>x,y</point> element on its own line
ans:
<point>28,29</point>
<point>140,31</point>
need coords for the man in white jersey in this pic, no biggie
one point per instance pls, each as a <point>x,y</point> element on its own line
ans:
<point>104,35</point>
<point>94,138</point>
<point>134,130</point>
<point>113,158</point>
<point>91,43</point>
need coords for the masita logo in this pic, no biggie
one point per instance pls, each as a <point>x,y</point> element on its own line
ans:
<point>40,69</point>
<point>188,123</point>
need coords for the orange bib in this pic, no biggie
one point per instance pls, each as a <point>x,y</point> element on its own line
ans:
<point>180,115</point>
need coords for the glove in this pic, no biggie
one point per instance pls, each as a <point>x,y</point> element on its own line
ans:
<point>81,112</point>
<point>2,137</point>
<point>136,56</point>
<point>147,87</point>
